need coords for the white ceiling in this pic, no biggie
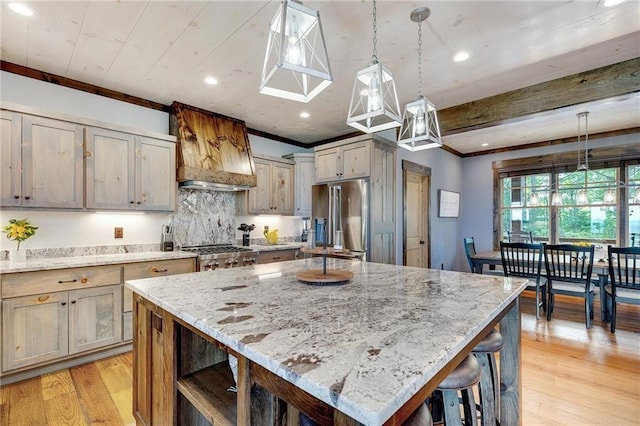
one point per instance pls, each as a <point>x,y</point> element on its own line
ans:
<point>161,51</point>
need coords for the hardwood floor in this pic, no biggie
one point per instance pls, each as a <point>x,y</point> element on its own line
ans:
<point>571,376</point>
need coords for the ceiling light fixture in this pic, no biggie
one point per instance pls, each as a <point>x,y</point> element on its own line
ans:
<point>296,64</point>
<point>211,80</point>
<point>374,103</point>
<point>420,129</point>
<point>305,114</point>
<point>21,9</point>
<point>461,56</point>
<point>610,3</point>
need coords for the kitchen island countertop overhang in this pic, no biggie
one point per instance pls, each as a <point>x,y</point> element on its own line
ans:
<point>365,347</point>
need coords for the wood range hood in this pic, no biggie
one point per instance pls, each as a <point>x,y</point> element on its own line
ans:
<point>213,151</point>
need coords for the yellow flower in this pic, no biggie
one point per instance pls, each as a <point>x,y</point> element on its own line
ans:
<point>19,230</point>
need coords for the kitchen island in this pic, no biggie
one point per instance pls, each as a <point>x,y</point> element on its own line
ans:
<point>365,352</point>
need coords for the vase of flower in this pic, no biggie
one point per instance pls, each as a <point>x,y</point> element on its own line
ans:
<point>19,230</point>
<point>17,256</point>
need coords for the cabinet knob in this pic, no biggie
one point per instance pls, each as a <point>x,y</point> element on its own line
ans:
<point>131,202</point>
<point>139,202</point>
<point>73,301</point>
<point>26,197</point>
<point>63,303</point>
<point>16,196</point>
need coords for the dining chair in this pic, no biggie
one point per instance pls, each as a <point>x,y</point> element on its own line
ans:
<point>520,236</point>
<point>470,251</point>
<point>624,279</point>
<point>568,269</point>
<point>525,260</point>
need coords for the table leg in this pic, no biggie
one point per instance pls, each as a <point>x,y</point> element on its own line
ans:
<point>602,281</point>
<point>510,368</point>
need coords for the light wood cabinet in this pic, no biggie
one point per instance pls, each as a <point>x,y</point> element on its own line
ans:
<point>46,156</point>
<point>348,161</point>
<point>38,325</point>
<point>367,157</point>
<point>304,178</point>
<point>277,256</point>
<point>129,172</point>
<point>274,191</point>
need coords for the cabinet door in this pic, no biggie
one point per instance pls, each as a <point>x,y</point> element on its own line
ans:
<point>304,180</point>
<point>328,165</point>
<point>34,329</point>
<point>355,160</point>
<point>155,174</point>
<point>276,256</point>
<point>110,165</point>
<point>95,318</point>
<point>52,163</point>
<point>282,188</point>
<point>259,196</point>
<point>10,158</point>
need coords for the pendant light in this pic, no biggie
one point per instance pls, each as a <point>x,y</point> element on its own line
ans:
<point>420,129</point>
<point>296,64</point>
<point>374,103</point>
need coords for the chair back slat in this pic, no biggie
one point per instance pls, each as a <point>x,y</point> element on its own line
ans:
<point>469,250</point>
<point>624,267</point>
<point>569,263</point>
<point>521,259</point>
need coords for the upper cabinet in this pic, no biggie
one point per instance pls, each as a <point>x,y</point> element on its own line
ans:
<point>42,162</point>
<point>304,178</point>
<point>56,162</point>
<point>274,191</point>
<point>348,161</point>
<point>128,172</point>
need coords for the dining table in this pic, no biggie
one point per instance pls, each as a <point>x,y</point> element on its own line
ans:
<point>493,258</point>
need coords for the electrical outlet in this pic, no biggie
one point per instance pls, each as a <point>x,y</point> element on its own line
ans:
<point>118,232</point>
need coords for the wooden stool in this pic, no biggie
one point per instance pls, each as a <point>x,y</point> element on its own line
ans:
<point>462,379</point>
<point>489,383</point>
<point>420,417</point>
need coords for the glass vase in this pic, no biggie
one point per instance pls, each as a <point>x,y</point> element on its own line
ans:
<point>16,256</point>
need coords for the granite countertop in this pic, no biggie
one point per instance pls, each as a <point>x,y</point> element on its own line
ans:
<point>41,264</point>
<point>364,347</point>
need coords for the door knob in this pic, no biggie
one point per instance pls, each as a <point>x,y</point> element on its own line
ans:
<point>421,242</point>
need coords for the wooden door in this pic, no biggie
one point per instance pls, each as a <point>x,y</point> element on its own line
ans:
<point>282,188</point>
<point>328,165</point>
<point>95,317</point>
<point>52,163</point>
<point>110,169</point>
<point>416,208</point>
<point>10,158</point>
<point>34,329</point>
<point>356,160</point>
<point>155,174</point>
<point>260,195</point>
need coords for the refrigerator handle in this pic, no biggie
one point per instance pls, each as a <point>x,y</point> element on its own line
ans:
<point>330,216</point>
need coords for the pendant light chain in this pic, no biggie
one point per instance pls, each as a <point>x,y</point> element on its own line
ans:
<point>375,34</point>
<point>419,58</point>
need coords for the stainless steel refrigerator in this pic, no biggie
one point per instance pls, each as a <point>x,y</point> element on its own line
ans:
<point>342,206</point>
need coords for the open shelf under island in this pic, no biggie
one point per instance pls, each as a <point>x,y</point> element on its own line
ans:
<point>367,352</point>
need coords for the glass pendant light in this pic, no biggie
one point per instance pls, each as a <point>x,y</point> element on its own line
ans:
<point>534,200</point>
<point>556,199</point>
<point>374,103</point>
<point>610,197</point>
<point>582,198</point>
<point>296,64</point>
<point>420,129</point>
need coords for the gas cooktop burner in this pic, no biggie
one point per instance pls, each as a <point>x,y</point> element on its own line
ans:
<point>215,248</point>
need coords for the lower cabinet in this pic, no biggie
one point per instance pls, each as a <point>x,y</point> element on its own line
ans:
<point>277,256</point>
<point>45,327</point>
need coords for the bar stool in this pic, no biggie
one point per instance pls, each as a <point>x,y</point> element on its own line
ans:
<point>489,387</point>
<point>420,417</point>
<point>462,379</point>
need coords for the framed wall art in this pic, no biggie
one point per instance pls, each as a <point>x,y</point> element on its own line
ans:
<point>448,203</point>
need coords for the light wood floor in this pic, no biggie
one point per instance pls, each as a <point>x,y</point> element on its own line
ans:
<point>571,376</point>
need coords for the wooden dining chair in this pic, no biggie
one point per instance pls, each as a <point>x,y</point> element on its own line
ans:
<point>525,260</point>
<point>624,280</point>
<point>568,271</point>
<point>470,251</point>
<point>520,236</point>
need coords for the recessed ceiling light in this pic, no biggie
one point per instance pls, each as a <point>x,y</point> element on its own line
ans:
<point>305,114</point>
<point>485,144</point>
<point>609,3</point>
<point>461,56</point>
<point>21,9</point>
<point>210,80</point>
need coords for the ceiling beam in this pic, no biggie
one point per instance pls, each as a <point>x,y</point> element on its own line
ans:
<point>601,83</point>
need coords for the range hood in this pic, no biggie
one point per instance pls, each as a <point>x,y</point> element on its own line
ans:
<point>213,151</point>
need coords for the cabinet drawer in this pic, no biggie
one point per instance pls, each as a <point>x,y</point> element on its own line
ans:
<point>134,271</point>
<point>276,256</point>
<point>27,283</point>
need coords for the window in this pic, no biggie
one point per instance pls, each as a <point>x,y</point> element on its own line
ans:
<point>633,193</point>
<point>526,205</point>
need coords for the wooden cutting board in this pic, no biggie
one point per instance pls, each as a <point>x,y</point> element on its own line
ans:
<point>333,276</point>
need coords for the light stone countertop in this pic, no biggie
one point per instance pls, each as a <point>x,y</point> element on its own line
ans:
<point>41,264</point>
<point>364,347</point>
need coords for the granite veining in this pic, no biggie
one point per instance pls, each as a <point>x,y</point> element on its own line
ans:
<point>204,217</point>
<point>71,261</point>
<point>364,347</point>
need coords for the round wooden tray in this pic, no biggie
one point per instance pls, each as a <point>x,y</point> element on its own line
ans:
<point>332,277</point>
